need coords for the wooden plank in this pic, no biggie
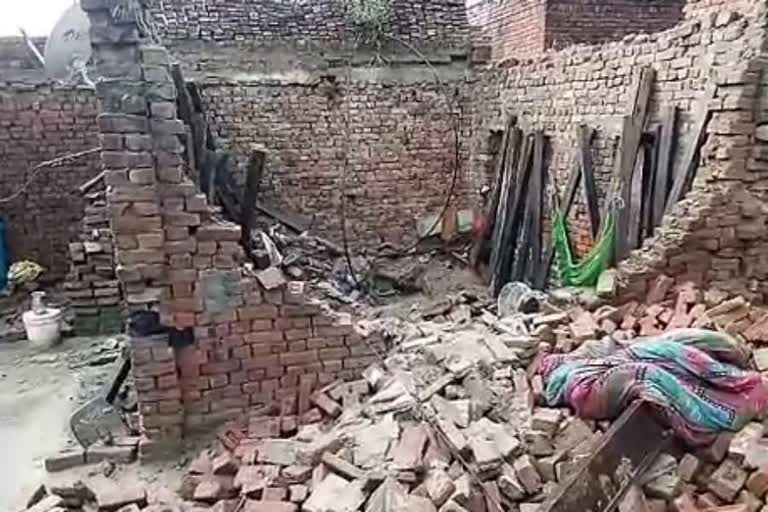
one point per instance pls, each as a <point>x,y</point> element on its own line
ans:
<point>255,171</point>
<point>649,182</point>
<point>685,173</point>
<point>537,247</point>
<point>499,166</point>
<point>506,199</point>
<point>664,160</point>
<point>516,214</point>
<point>529,248</point>
<point>636,201</point>
<point>631,132</point>
<point>295,221</point>
<point>634,440</point>
<point>587,169</point>
<point>500,163</point>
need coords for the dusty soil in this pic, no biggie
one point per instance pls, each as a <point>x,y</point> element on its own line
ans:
<point>38,392</point>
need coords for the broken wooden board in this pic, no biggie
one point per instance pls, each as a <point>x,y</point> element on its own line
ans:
<point>506,197</point>
<point>631,134</point>
<point>684,174</point>
<point>625,447</point>
<point>528,248</point>
<point>515,216</point>
<point>666,150</point>
<point>633,238</point>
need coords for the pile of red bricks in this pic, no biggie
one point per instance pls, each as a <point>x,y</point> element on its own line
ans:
<point>666,307</point>
<point>92,287</point>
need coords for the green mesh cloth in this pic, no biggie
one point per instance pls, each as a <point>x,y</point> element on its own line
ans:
<point>587,271</point>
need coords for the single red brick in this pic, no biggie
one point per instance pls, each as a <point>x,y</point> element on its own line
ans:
<point>334,353</point>
<point>167,381</point>
<point>262,362</point>
<point>259,312</point>
<point>260,349</point>
<point>243,352</point>
<point>262,325</point>
<point>297,346</point>
<point>333,330</point>
<point>238,377</point>
<point>220,367</point>
<point>263,337</point>
<point>218,381</point>
<point>154,369</point>
<point>307,356</point>
<point>297,334</point>
<point>144,383</point>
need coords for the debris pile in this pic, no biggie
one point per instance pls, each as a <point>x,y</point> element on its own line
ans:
<point>666,307</point>
<point>92,286</point>
<point>451,420</point>
<point>450,425</point>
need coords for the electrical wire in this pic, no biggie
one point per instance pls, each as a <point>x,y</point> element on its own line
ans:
<point>35,171</point>
<point>455,164</point>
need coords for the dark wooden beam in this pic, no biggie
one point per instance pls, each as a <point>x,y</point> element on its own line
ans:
<point>631,133</point>
<point>665,158</point>
<point>585,136</point>
<point>685,173</point>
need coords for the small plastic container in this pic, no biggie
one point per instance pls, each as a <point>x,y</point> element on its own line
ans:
<point>42,324</point>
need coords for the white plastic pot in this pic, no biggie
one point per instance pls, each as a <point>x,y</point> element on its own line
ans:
<point>43,328</point>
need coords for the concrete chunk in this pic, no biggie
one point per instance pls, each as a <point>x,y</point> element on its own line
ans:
<point>744,441</point>
<point>509,484</point>
<point>282,452</point>
<point>727,480</point>
<point>409,450</point>
<point>527,474</point>
<point>225,464</point>
<point>341,466</point>
<point>688,467</point>
<point>335,494</point>
<point>546,420</point>
<point>457,411</point>
<point>46,504</point>
<point>390,496</point>
<point>113,497</point>
<point>439,486</point>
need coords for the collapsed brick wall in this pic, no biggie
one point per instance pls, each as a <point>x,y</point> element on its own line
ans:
<point>716,235</point>
<point>527,28</point>
<point>320,21</point>
<point>38,122</point>
<point>399,149</point>
<point>254,339</point>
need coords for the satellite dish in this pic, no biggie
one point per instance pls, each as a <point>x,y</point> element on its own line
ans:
<point>68,48</point>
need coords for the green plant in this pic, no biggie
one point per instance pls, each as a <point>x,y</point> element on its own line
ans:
<point>368,18</point>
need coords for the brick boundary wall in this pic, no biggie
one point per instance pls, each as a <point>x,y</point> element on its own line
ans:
<point>399,147</point>
<point>435,22</point>
<point>256,340</point>
<point>717,234</point>
<point>39,122</point>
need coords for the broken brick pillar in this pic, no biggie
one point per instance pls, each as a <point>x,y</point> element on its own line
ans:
<point>141,156</point>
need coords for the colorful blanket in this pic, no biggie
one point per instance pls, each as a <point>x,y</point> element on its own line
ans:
<point>694,378</point>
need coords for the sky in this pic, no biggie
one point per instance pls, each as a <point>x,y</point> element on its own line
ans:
<point>37,17</point>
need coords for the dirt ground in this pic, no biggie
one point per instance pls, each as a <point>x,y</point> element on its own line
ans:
<point>38,392</point>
